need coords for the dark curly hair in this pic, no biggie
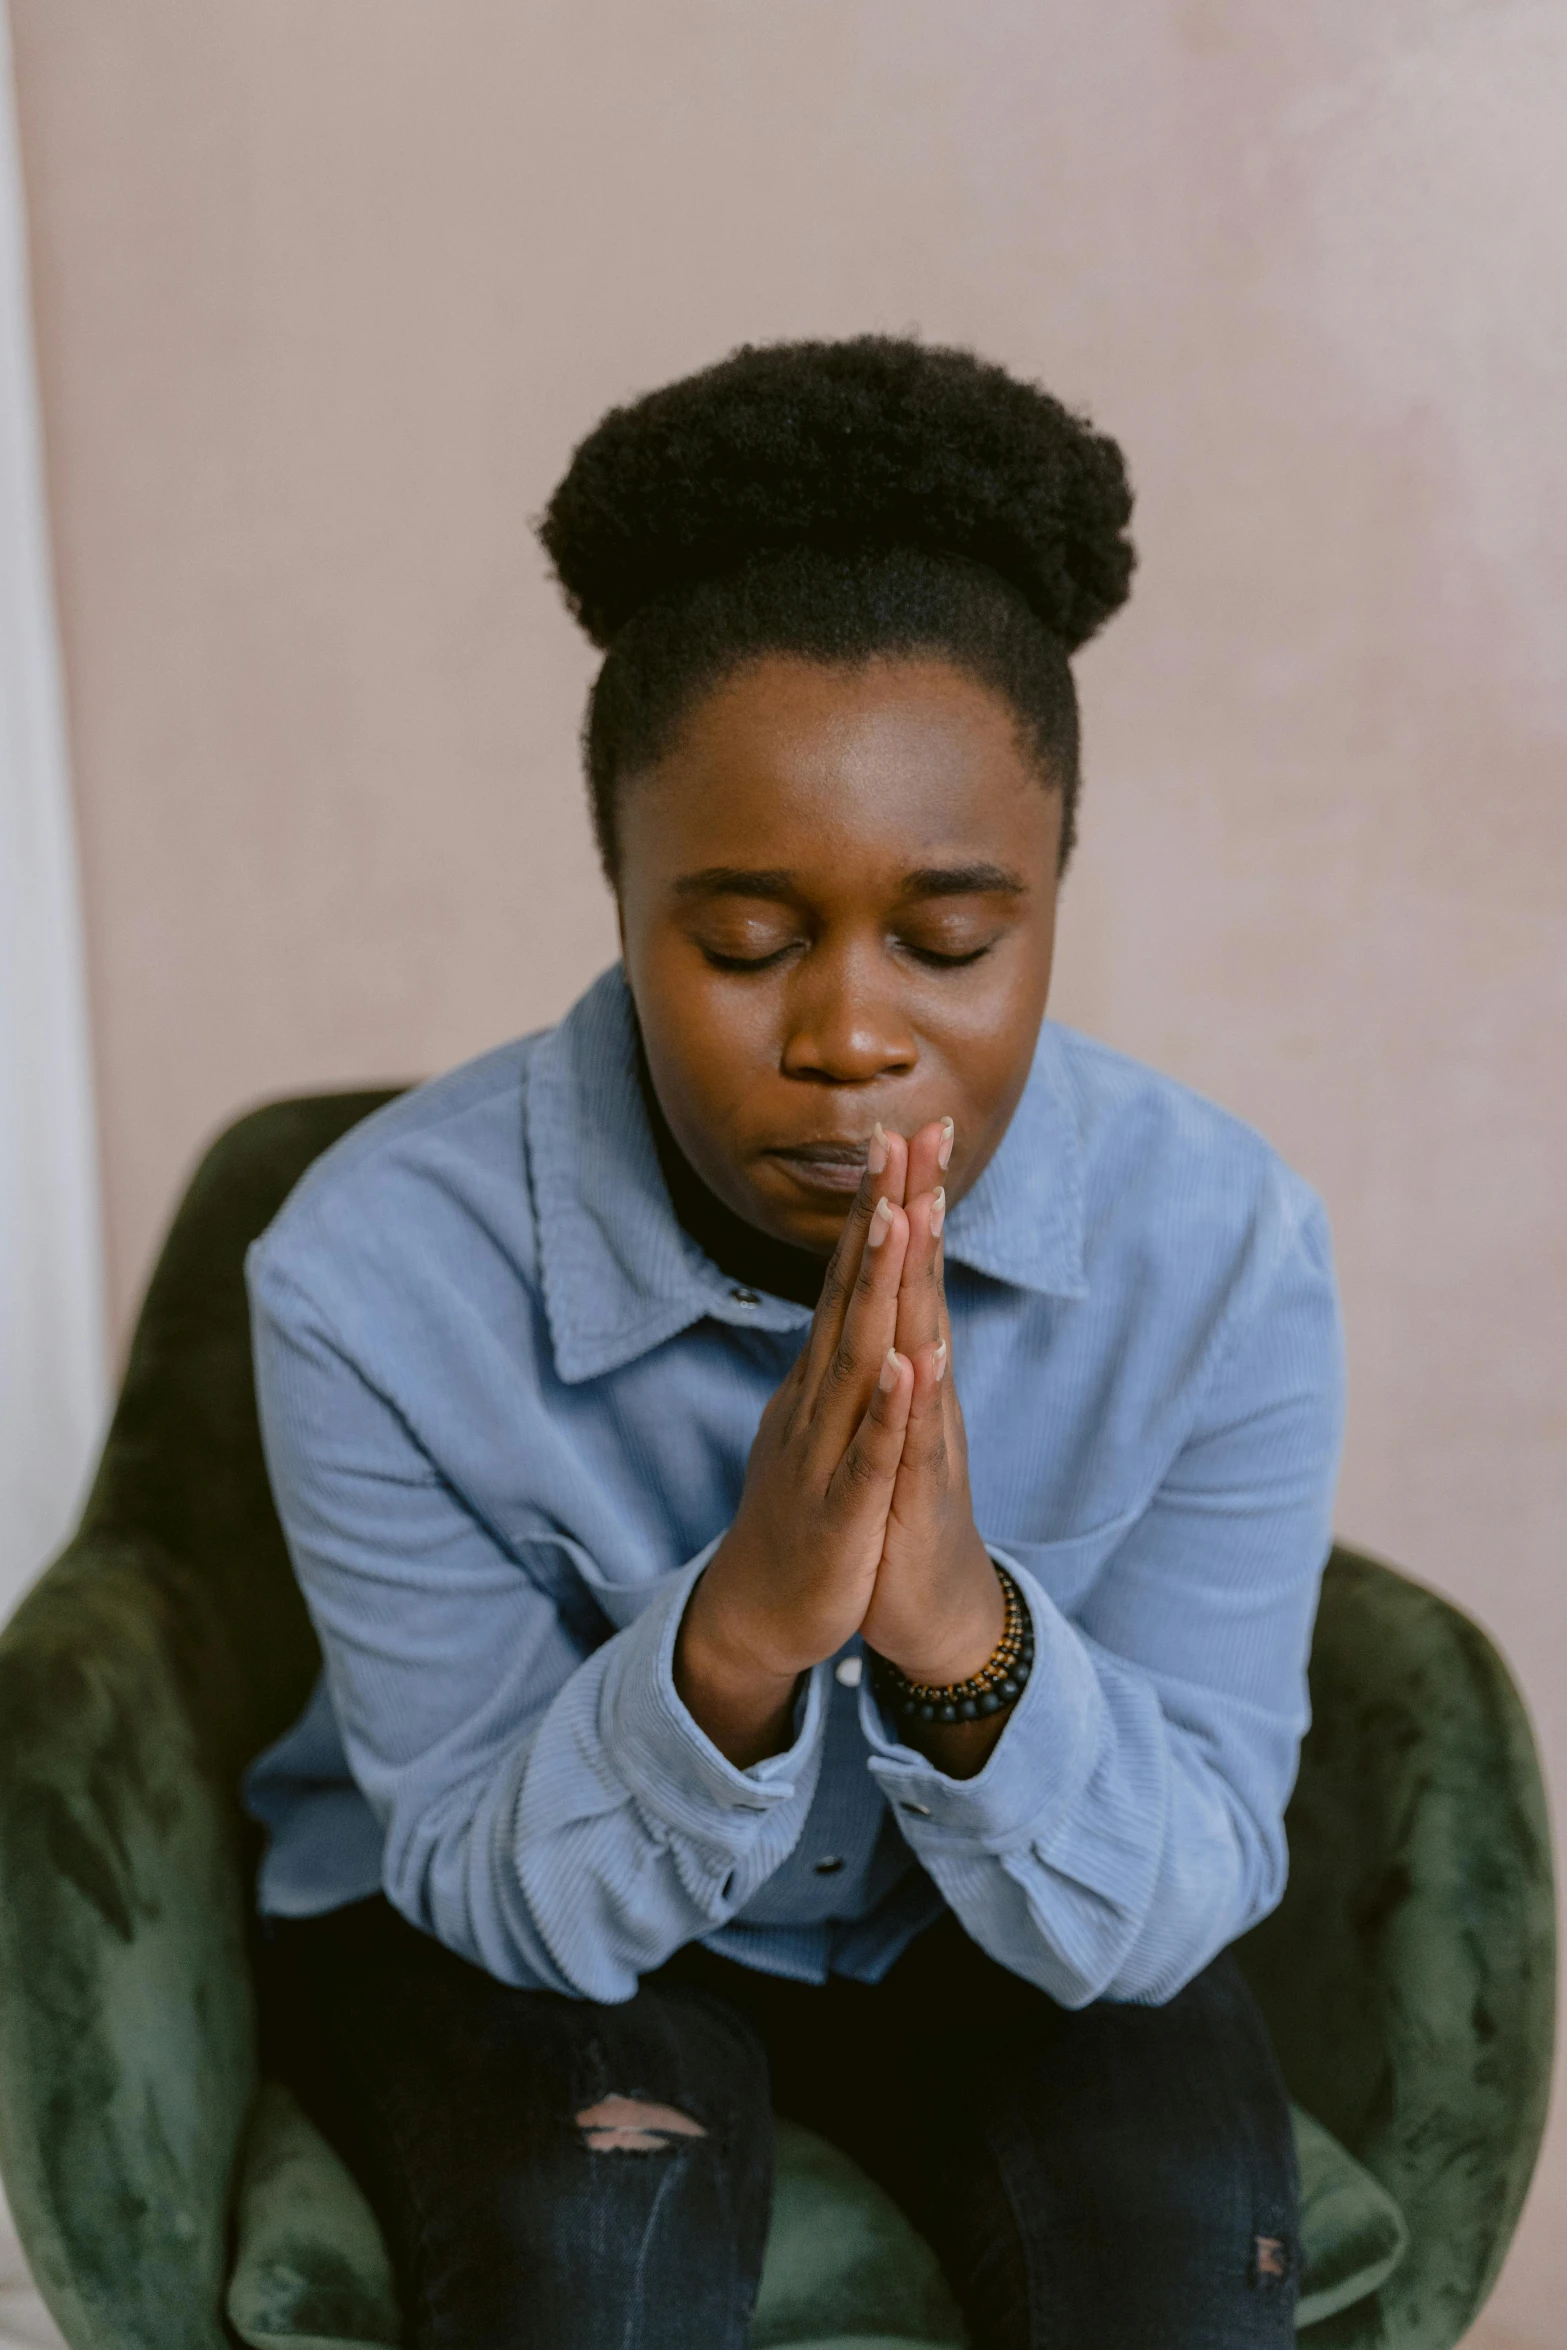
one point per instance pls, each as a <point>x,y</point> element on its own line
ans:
<point>838,501</point>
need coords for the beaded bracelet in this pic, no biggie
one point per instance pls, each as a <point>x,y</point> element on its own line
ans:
<point>1000,1681</point>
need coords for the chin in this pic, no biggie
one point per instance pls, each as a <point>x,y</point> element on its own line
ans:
<point>817,1235</point>
<point>812,1225</point>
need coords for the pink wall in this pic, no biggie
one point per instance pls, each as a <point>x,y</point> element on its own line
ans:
<point>326,289</point>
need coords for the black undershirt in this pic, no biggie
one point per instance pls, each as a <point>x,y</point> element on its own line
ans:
<point>752,1258</point>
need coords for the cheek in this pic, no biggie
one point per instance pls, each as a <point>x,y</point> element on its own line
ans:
<point>987,1036</point>
<point>707,1042</point>
<point>987,1075</point>
<point>997,1014</point>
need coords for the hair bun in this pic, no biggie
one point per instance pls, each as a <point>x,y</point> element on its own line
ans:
<point>879,441</point>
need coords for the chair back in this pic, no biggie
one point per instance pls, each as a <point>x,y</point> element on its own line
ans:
<point>182,1475</point>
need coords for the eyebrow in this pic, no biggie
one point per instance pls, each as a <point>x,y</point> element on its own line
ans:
<point>735,881</point>
<point>926,881</point>
<point>964,881</point>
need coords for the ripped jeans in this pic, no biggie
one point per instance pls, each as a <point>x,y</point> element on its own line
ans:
<point>553,2173</point>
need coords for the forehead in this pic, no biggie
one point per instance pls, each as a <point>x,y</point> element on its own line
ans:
<point>799,764</point>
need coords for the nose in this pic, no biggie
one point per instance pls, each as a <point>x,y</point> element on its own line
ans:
<point>846,1022</point>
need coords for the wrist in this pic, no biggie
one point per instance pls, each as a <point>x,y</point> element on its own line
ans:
<point>959,1638</point>
<point>706,1653</point>
<point>980,1701</point>
<point>734,1642</point>
<point>742,1703</point>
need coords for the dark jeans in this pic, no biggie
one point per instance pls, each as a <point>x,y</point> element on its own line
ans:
<point>1120,2177</point>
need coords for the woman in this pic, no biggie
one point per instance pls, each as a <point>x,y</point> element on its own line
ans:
<point>811,1480</point>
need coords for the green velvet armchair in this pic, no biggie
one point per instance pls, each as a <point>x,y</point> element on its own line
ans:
<point>1408,1978</point>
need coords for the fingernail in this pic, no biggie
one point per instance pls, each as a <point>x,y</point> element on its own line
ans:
<point>889,1371</point>
<point>944,1152</point>
<point>881,1224</point>
<point>938,1361</point>
<point>938,1211</point>
<point>876,1151</point>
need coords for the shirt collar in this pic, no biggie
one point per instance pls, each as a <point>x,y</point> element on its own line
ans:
<point>620,1276</point>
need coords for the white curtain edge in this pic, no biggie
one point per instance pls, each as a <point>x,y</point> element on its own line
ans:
<point>53,1351</point>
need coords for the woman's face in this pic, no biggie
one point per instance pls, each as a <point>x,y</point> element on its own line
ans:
<point>837,905</point>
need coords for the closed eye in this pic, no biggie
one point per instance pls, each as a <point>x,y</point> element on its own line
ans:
<point>932,958</point>
<point>745,962</point>
<point>935,961</point>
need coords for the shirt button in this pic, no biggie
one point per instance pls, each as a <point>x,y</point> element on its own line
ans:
<point>848,1671</point>
<point>746,1297</point>
<point>921,1811</point>
<point>830,1866</point>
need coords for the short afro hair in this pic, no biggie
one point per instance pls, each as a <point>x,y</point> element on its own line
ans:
<point>839,501</point>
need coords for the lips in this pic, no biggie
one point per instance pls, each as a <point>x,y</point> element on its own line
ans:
<point>835,1167</point>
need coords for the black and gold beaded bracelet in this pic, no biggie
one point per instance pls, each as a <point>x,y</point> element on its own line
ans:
<point>1000,1681</point>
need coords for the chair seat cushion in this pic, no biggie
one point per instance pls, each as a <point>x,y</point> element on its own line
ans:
<point>844,2269</point>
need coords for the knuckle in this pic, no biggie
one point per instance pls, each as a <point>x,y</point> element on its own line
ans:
<point>833,1278</point>
<point>923,1446</point>
<point>781,1417</point>
<point>860,1469</point>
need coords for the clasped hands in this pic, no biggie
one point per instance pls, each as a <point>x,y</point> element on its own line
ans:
<point>856,1514</point>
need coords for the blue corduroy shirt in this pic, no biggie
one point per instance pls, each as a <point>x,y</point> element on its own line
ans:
<point>507,1404</point>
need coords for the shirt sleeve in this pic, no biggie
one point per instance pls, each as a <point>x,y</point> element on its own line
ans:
<point>551,1813</point>
<point>1129,1822</point>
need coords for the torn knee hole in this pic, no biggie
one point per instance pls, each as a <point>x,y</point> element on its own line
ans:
<point>634,2125</point>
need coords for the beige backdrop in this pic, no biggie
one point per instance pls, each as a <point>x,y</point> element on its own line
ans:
<point>326,289</point>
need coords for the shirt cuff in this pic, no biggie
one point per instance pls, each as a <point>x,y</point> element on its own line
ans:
<point>1037,1768</point>
<point>676,1774</point>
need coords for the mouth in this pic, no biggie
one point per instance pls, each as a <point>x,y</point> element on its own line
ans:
<point>824,1169</point>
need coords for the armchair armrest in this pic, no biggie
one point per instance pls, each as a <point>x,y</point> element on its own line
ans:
<point>126,2031</point>
<point>1409,1976</point>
